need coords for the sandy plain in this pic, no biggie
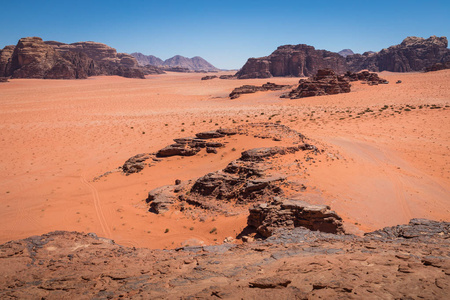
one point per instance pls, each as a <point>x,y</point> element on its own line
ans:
<point>390,142</point>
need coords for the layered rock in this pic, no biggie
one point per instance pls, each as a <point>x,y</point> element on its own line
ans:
<point>291,264</point>
<point>417,228</point>
<point>438,67</point>
<point>365,76</point>
<point>413,54</point>
<point>299,61</point>
<point>249,89</point>
<point>34,58</point>
<point>284,213</point>
<point>326,82</point>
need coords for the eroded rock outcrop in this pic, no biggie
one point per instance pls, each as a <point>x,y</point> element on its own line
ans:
<point>299,61</point>
<point>365,76</point>
<point>249,89</point>
<point>326,82</point>
<point>413,54</point>
<point>438,66</point>
<point>286,213</point>
<point>34,58</point>
<point>291,264</point>
<point>417,228</point>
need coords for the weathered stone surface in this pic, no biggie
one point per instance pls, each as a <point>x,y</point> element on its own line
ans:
<point>299,61</point>
<point>209,77</point>
<point>214,134</point>
<point>266,217</point>
<point>211,150</point>
<point>326,82</point>
<point>34,58</point>
<point>366,76</point>
<point>259,154</point>
<point>227,131</point>
<point>438,66</point>
<point>5,60</point>
<point>249,89</point>
<point>413,54</point>
<point>227,77</point>
<point>161,199</point>
<point>178,149</point>
<point>136,163</point>
<point>417,228</point>
<point>291,264</point>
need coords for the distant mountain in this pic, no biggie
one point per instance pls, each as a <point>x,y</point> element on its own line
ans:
<point>346,52</point>
<point>192,64</point>
<point>144,60</point>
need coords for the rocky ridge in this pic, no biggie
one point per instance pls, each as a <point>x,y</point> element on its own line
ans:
<point>291,264</point>
<point>249,89</point>
<point>34,58</point>
<point>188,64</point>
<point>326,82</point>
<point>413,54</point>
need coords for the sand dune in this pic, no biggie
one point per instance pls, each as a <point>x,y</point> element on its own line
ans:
<point>388,150</point>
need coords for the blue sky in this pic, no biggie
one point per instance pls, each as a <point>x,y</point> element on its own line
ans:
<point>225,33</point>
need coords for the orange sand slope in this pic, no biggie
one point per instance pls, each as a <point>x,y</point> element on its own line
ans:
<point>58,135</point>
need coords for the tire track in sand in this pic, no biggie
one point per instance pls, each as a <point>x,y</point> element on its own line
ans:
<point>384,162</point>
<point>98,208</point>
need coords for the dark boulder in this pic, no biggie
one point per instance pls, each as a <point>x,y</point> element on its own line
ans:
<point>326,82</point>
<point>282,213</point>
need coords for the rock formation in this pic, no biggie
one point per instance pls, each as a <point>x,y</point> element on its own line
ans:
<point>180,63</point>
<point>284,213</point>
<point>299,61</point>
<point>34,58</point>
<point>209,77</point>
<point>438,67</point>
<point>413,54</point>
<point>249,89</point>
<point>365,76</point>
<point>291,264</point>
<point>326,82</point>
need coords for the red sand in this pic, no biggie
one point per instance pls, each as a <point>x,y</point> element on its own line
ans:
<point>57,135</point>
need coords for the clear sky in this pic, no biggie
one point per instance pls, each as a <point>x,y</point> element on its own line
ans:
<point>225,33</point>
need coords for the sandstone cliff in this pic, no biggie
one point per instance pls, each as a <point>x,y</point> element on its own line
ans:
<point>299,61</point>
<point>34,58</point>
<point>413,54</point>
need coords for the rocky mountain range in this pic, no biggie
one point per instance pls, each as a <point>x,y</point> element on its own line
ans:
<point>413,54</point>
<point>34,58</point>
<point>192,64</point>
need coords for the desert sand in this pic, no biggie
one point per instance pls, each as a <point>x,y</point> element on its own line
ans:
<point>390,152</point>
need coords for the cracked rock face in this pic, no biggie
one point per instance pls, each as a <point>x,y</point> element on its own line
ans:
<point>413,54</point>
<point>284,213</point>
<point>326,82</point>
<point>34,58</point>
<point>291,264</point>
